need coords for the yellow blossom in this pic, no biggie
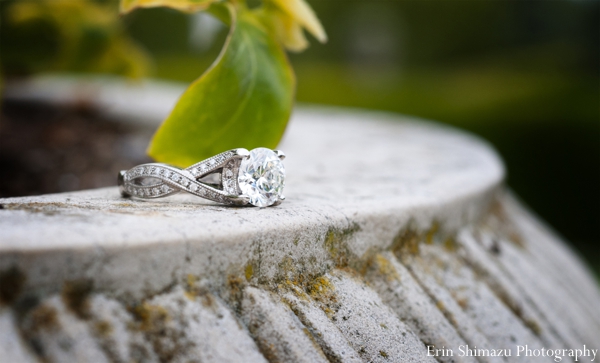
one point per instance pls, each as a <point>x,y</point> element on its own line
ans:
<point>289,18</point>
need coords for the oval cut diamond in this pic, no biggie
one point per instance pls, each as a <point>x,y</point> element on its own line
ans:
<point>262,177</point>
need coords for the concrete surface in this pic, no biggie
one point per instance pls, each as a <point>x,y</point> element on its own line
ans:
<point>397,234</point>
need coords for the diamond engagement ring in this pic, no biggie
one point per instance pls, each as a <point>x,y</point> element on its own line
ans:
<point>235,177</point>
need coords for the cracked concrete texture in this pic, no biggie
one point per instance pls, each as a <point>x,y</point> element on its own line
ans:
<point>396,235</point>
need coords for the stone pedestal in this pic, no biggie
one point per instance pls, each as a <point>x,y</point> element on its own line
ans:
<point>397,234</point>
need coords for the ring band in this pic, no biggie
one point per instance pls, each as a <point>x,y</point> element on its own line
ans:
<point>234,177</point>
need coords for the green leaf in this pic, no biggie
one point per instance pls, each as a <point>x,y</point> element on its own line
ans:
<point>243,100</point>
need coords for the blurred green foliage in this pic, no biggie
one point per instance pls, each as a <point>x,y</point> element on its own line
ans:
<point>67,35</point>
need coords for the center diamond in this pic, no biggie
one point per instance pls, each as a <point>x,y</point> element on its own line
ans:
<point>262,177</point>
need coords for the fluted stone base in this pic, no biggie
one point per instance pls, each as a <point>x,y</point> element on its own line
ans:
<point>396,235</point>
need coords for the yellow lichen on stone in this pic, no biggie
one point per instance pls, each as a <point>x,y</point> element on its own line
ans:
<point>334,246</point>
<point>385,268</point>
<point>189,295</point>
<point>440,305</point>
<point>235,285</point>
<point>191,281</point>
<point>151,317</point>
<point>191,289</point>
<point>406,243</point>
<point>431,233</point>
<point>335,243</point>
<point>287,269</point>
<point>450,244</point>
<point>321,285</point>
<point>249,272</point>
<point>292,272</point>
<point>103,328</point>
<point>323,292</point>
<point>463,302</point>
<point>208,300</point>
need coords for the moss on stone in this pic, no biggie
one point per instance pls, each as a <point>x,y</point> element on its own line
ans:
<point>75,295</point>
<point>406,243</point>
<point>191,289</point>
<point>235,287</point>
<point>385,268</point>
<point>12,281</point>
<point>335,243</point>
<point>152,317</point>
<point>249,272</point>
<point>287,269</point>
<point>103,328</point>
<point>431,234</point>
<point>450,244</point>
<point>44,317</point>
<point>322,291</point>
<point>463,302</point>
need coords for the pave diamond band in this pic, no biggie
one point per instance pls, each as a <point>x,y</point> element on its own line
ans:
<point>234,177</point>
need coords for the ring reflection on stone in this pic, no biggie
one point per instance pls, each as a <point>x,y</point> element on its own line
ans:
<point>235,177</point>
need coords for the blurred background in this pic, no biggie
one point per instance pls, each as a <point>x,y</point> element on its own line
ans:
<point>524,75</point>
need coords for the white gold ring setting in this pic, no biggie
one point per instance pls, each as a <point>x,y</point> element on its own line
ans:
<point>234,177</point>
